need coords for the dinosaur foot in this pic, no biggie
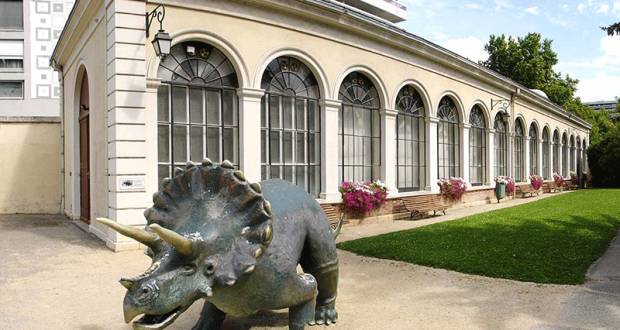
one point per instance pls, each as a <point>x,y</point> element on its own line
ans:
<point>325,314</point>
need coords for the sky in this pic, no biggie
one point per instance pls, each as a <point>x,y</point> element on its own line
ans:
<point>584,50</point>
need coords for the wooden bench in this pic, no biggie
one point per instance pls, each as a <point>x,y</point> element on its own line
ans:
<point>552,187</point>
<point>333,216</point>
<point>526,191</point>
<point>570,185</point>
<point>424,204</point>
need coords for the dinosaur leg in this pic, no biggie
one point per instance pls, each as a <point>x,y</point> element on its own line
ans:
<point>301,296</point>
<point>327,280</point>
<point>211,318</point>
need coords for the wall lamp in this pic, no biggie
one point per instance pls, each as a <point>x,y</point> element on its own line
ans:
<point>162,40</point>
<point>502,106</point>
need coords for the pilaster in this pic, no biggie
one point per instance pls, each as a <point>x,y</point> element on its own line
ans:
<point>388,147</point>
<point>249,132</point>
<point>432,171</point>
<point>329,149</point>
<point>464,161</point>
<point>490,156</point>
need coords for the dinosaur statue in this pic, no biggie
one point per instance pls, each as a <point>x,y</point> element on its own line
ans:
<point>213,235</point>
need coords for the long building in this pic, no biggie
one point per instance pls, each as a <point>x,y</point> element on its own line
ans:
<point>309,91</point>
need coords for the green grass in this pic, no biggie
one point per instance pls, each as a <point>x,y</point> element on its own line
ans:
<point>553,240</point>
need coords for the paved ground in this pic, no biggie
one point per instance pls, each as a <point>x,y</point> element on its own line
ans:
<point>54,276</point>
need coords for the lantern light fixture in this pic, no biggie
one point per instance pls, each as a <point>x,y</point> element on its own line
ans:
<point>162,40</point>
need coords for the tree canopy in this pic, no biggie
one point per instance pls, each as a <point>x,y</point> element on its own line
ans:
<point>614,28</point>
<point>529,61</point>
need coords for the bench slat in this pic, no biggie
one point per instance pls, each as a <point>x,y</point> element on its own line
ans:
<point>423,204</point>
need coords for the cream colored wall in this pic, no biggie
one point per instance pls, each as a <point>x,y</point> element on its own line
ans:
<point>30,167</point>
<point>90,56</point>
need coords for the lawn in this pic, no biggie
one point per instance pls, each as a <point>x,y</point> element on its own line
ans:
<point>553,240</point>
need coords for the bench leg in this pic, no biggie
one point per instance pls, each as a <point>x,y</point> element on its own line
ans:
<point>444,211</point>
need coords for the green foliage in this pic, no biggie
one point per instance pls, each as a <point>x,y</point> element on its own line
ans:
<point>604,159</point>
<point>553,240</point>
<point>614,28</point>
<point>529,61</point>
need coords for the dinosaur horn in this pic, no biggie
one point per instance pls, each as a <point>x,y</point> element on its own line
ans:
<point>141,236</point>
<point>184,245</point>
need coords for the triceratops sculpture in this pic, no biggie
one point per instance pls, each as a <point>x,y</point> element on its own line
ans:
<point>213,235</point>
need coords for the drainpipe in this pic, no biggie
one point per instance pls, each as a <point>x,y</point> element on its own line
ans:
<point>58,68</point>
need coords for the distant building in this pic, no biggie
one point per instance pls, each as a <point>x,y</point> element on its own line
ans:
<point>30,129</point>
<point>598,105</point>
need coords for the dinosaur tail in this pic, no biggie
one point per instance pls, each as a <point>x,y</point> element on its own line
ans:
<point>336,230</point>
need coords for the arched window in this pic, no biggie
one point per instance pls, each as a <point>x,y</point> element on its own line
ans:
<point>477,147</point>
<point>545,154</point>
<point>410,134</point>
<point>579,158</point>
<point>565,156</point>
<point>556,152</point>
<point>197,111</point>
<point>519,160</point>
<point>572,154</point>
<point>533,137</point>
<point>585,154</point>
<point>290,125</point>
<point>448,139</point>
<point>359,130</point>
<point>500,146</point>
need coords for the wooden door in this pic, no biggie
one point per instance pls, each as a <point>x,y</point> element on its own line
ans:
<point>84,121</point>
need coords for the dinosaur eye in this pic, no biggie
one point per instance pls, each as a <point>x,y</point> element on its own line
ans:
<point>189,269</point>
<point>209,269</point>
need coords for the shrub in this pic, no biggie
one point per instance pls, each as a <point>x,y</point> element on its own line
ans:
<point>453,187</point>
<point>510,184</point>
<point>536,180</point>
<point>604,160</point>
<point>574,178</point>
<point>362,197</point>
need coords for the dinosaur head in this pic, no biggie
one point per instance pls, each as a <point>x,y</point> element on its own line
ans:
<point>205,232</point>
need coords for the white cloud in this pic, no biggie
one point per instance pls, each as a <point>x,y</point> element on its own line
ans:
<point>602,87</point>
<point>581,7</point>
<point>470,47</point>
<point>441,36</point>
<point>565,7</point>
<point>557,20</point>
<point>616,10</point>
<point>608,61</point>
<point>603,9</point>
<point>474,6</point>
<point>533,10</point>
<point>501,4</point>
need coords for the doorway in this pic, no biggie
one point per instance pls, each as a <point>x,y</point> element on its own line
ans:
<point>84,123</point>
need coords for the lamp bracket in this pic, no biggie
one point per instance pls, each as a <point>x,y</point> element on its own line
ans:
<point>160,14</point>
<point>501,104</point>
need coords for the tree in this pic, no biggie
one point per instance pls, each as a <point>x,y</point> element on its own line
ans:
<point>529,61</point>
<point>614,28</point>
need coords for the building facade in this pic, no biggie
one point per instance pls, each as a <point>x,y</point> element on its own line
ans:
<point>307,91</point>
<point>600,105</point>
<point>30,133</point>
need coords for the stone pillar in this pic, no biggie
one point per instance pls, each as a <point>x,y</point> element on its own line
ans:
<point>329,149</point>
<point>527,159</point>
<point>510,168</point>
<point>431,155</point>
<point>560,159</point>
<point>132,129</point>
<point>249,132</point>
<point>464,161</point>
<point>539,145</point>
<point>388,147</point>
<point>490,157</point>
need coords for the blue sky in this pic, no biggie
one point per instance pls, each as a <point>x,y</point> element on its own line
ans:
<point>584,51</point>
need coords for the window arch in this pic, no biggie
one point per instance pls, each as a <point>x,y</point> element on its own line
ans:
<point>290,124</point>
<point>500,146</point>
<point>556,152</point>
<point>477,147</point>
<point>410,137</point>
<point>448,139</point>
<point>533,137</point>
<point>565,156</point>
<point>519,160</point>
<point>545,154</point>
<point>359,129</point>
<point>197,109</point>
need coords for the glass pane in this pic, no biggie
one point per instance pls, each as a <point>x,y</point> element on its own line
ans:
<point>163,106</point>
<point>11,89</point>
<point>229,108</point>
<point>179,148</point>
<point>376,151</point>
<point>276,172</point>
<point>408,153</point>
<point>195,105</point>
<point>300,149</point>
<point>213,144</point>
<point>213,107</point>
<point>313,142</point>
<point>263,110</point>
<point>163,143</point>
<point>230,145</point>
<point>196,145</point>
<point>264,135</point>
<point>179,99</point>
<point>348,120</point>
<point>313,180</point>
<point>313,116</point>
<point>300,114</point>
<point>288,147</point>
<point>289,173</point>
<point>12,15</point>
<point>367,151</point>
<point>300,172</point>
<point>287,112</point>
<point>274,144</point>
<point>376,123</point>
<point>274,112</point>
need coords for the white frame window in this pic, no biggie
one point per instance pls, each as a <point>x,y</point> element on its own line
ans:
<point>12,91</point>
<point>11,55</point>
<point>477,147</point>
<point>12,15</point>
